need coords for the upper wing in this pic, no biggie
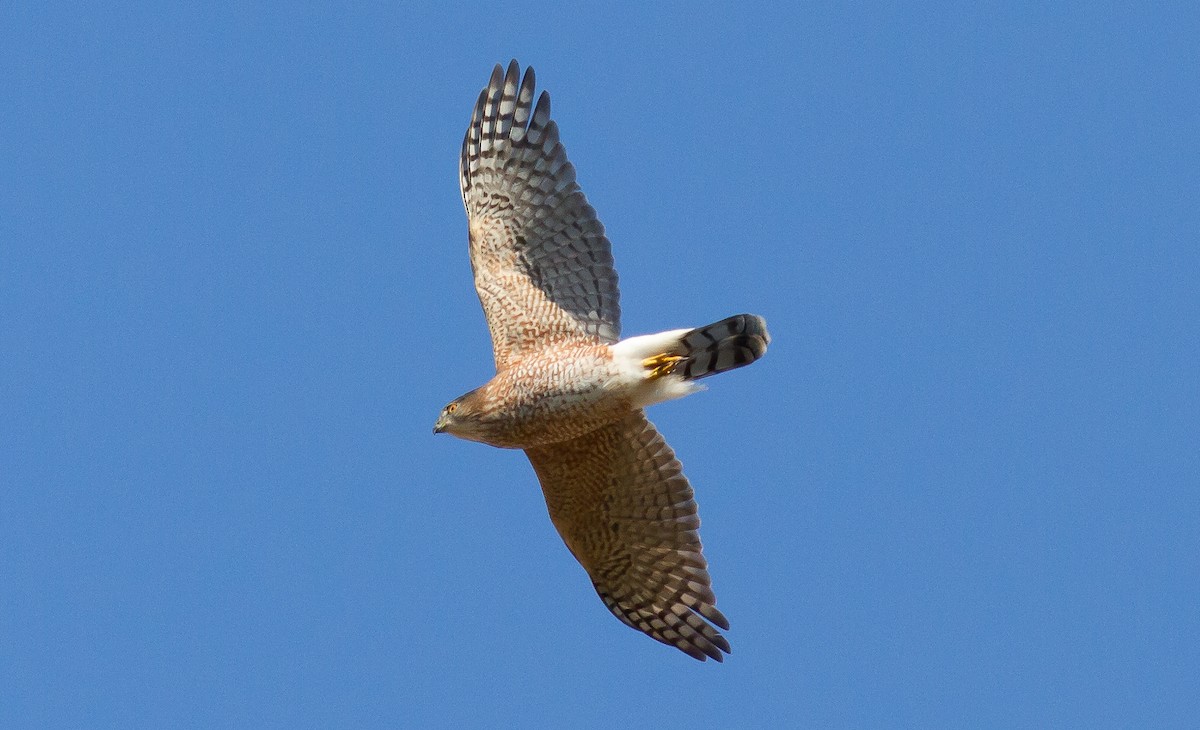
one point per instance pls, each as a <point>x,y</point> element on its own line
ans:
<point>543,267</point>
<point>622,505</point>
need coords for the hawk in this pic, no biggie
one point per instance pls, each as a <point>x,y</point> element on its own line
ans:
<point>568,390</point>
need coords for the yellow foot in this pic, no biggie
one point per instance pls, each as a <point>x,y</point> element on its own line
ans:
<point>661,365</point>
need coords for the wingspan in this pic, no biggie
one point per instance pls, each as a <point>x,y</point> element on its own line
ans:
<point>620,501</point>
<point>543,266</point>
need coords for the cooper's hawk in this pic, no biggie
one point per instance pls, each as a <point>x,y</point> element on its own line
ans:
<point>568,390</point>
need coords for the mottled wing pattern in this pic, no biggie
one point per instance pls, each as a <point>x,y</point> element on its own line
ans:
<point>543,267</point>
<point>622,505</point>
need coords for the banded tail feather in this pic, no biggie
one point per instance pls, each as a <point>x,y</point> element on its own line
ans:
<point>725,345</point>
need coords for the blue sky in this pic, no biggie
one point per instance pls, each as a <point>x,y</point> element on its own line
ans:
<point>961,489</point>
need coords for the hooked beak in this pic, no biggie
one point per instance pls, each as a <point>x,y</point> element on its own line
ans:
<point>440,426</point>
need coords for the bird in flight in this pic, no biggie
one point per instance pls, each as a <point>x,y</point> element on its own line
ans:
<point>568,390</point>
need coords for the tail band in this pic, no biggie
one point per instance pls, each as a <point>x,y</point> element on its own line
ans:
<point>725,345</point>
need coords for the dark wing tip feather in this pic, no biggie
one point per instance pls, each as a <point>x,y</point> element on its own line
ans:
<point>711,613</point>
<point>675,625</point>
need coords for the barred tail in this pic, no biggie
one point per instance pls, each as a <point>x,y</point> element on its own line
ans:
<point>731,343</point>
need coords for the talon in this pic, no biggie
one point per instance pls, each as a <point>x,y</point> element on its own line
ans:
<point>661,365</point>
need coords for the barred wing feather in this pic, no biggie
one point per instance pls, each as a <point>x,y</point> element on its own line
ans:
<point>620,501</point>
<point>543,266</point>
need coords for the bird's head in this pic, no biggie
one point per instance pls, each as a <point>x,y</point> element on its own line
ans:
<point>462,417</point>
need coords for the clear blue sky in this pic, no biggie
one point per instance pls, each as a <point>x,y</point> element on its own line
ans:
<point>961,490</point>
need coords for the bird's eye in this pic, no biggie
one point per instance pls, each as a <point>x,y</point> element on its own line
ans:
<point>452,408</point>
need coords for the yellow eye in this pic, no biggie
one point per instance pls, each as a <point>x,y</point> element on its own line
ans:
<point>452,408</point>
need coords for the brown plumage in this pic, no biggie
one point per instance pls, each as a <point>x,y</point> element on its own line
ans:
<point>568,390</point>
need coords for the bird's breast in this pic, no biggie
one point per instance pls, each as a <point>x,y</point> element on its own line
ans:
<point>556,396</point>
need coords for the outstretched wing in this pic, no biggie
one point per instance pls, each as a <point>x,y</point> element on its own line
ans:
<point>622,505</point>
<point>543,267</point>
